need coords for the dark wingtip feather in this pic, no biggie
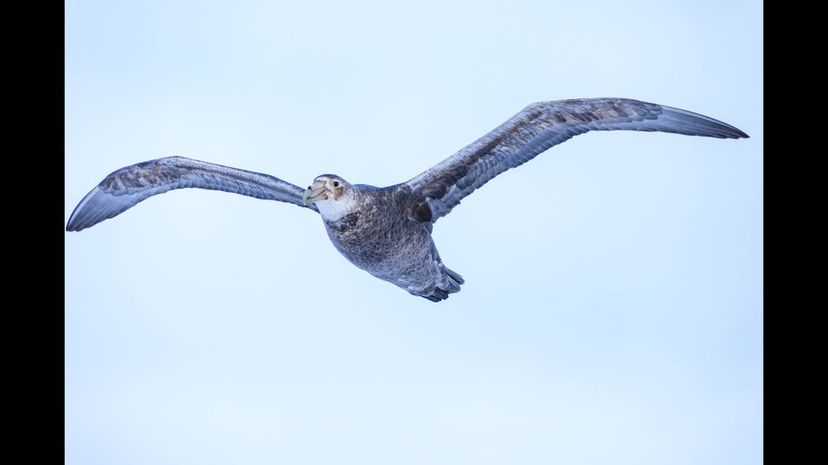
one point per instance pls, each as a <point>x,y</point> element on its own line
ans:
<point>696,124</point>
<point>74,223</point>
<point>85,215</point>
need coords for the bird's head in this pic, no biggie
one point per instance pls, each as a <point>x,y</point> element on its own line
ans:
<point>333,196</point>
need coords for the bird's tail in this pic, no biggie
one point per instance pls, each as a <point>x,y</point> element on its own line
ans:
<point>452,285</point>
<point>454,280</point>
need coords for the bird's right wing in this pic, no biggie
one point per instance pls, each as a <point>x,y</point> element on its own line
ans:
<point>127,186</point>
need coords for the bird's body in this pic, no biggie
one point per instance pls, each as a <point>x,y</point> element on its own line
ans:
<point>391,247</point>
<point>386,231</point>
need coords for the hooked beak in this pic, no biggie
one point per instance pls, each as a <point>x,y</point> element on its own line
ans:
<point>318,191</point>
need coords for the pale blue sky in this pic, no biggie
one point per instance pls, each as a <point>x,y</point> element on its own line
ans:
<point>612,312</point>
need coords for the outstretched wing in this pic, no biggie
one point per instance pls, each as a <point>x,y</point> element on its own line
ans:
<point>535,129</point>
<point>126,187</point>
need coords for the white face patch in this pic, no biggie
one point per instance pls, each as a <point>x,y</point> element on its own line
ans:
<point>332,210</point>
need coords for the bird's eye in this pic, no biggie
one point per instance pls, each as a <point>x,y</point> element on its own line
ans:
<point>308,187</point>
<point>336,183</point>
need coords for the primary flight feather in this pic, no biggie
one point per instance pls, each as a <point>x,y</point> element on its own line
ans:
<point>386,231</point>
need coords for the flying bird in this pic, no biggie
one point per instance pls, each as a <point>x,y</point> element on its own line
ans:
<point>386,231</point>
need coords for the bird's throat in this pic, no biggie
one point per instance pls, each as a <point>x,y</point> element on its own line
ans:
<point>333,210</point>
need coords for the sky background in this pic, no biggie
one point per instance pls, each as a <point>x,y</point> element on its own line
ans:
<point>612,311</point>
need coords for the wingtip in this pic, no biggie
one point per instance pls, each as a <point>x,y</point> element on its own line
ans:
<point>81,217</point>
<point>74,224</point>
<point>733,132</point>
<point>71,226</point>
<point>702,125</point>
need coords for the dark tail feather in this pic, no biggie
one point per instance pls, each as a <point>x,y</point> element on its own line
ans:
<point>454,276</point>
<point>452,285</point>
<point>454,280</point>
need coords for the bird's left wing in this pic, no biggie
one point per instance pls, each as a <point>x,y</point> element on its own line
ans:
<point>127,186</point>
<point>535,129</point>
